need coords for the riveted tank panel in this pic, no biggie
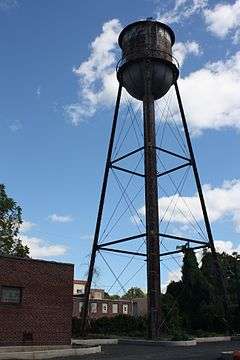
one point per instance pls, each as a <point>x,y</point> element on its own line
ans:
<point>147,41</point>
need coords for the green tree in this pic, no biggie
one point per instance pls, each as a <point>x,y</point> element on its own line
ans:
<point>134,293</point>
<point>10,221</point>
<point>175,289</point>
<point>111,297</point>
<point>171,317</point>
<point>236,277</point>
<point>230,267</point>
<point>198,296</point>
<point>195,294</point>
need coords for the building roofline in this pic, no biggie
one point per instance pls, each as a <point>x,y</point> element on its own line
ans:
<point>83,282</point>
<point>80,282</point>
<point>18,258</point>
<point>81,296</point>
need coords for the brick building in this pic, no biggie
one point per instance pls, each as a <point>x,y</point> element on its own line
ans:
<point>79,289</point>
<point>102,307</point>
<point>35,302</point>
<point>140,306</point>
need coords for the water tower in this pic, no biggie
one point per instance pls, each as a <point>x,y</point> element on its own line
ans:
<point>147,71</point>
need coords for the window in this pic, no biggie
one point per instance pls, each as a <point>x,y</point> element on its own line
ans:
<point>114,308</point>
<point>104,308</point>
<point>93,308</point>
<point>80,306</point>
<point>11,294</point>
<point>125,309</point>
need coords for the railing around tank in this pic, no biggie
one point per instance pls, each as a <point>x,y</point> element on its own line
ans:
<point>173,60</point>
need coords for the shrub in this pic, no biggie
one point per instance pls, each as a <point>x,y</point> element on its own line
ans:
<point>120,325</point>
<point>181,336</point>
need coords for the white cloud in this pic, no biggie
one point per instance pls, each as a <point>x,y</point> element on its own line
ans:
<point>182,50</point>
<point>226,246</point>
<point>60,218</point>
<point>15,125</point>
<point>97,78</point>
<point>174,275</point>
<point>221,246</point>
<point>223,19</point>
<point>236,37</point>
<point>221,202</point>
<point>221,80</point>
<point>26,226</point>
<point>38,91</point>
<point>98,83</point>
<point>182,10</point>
<point>6,5</point>
<point>40,249</point>
<point>97,75</point>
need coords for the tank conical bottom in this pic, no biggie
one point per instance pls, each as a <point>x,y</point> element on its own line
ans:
<point>131,76</point>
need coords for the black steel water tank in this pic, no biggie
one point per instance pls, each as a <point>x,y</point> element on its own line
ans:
<point>150,41</point>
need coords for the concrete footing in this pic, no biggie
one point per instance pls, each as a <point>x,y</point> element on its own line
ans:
<point>93,342</point>
<point>48,354</point>
<point>235,338</point>
<point>158,342</point>
<point>213,339</point>
<point>226,355</point>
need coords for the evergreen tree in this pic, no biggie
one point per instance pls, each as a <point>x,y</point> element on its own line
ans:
<point>175,289</point>
<point>236,277</point>
<point>231,273</point>
<point>198,297</point>
<point>10,221</point>
<point>172,319</point>
<point>196,293</point>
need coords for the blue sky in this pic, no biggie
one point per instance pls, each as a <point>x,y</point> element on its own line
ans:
<point>57,94</point>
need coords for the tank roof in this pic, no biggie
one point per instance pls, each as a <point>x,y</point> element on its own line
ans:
<point>128,27</point>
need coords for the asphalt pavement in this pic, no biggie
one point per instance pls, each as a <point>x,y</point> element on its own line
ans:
<point>210,351</point>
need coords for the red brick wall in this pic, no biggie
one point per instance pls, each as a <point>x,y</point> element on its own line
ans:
<point>46,307</point>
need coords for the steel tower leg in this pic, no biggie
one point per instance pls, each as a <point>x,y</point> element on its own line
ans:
<point>99,216</point>
<point>152,218</point>
<point>217,266</point>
